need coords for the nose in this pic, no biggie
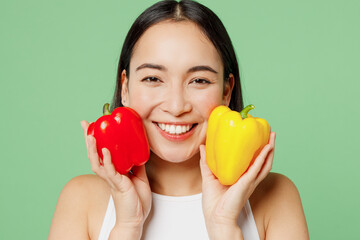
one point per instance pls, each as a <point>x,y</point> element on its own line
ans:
<point>176,101</point>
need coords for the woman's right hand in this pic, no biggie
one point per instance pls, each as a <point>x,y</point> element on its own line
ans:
<point>131,192</point>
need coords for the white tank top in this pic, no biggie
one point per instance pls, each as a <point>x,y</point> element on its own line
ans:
<point>178,218</point>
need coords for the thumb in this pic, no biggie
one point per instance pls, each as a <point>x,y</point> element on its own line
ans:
<point>140,173</point>
<point>205,171</point>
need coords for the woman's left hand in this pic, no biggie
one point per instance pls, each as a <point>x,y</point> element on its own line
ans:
<point>222,204</point>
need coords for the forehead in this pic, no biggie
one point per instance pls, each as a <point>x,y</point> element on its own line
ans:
<point>175,44</point>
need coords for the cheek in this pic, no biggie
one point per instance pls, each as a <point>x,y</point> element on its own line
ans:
<point>141,100</point>
<point>207,101</point>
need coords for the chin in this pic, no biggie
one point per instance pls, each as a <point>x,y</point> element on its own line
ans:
<point>173,156</point>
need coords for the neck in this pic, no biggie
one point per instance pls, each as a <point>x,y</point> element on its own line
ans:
<point>174,179</point>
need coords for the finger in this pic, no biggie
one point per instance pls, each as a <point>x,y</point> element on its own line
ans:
<point>93,154</point>
<point>141,184</point>
<point>109,167</point>
<point>250,179</point>
<point>117,181</point>
<point>85,126</point>
<point>270,155</point>
<point>140,173</point>
<point>256,168</point>
<point>109,170</point>
<point>204,168</point>
<point>272,138</point>
<point>266,168</point>
<point>258,163</point>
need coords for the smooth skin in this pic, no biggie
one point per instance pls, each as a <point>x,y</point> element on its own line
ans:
<point>172,94</point>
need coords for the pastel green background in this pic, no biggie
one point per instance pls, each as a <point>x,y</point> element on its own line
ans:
<point>299,64</point>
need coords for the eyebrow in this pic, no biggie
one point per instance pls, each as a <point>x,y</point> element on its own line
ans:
<point>163,68</point>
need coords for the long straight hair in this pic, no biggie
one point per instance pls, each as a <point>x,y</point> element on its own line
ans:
<point>184,10</point>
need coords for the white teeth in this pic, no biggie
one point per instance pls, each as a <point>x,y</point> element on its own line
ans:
<point>183,129</point>
<point>178,129</point>
<point>174,129</point>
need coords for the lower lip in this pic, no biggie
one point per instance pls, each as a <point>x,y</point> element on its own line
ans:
<point>174,137</point>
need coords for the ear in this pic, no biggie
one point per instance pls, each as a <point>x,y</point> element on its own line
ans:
<point>228,87</point>
<point>124,89</point>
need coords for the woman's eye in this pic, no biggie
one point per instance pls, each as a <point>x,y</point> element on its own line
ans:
<point>201,81</point>
<point>151,79</point>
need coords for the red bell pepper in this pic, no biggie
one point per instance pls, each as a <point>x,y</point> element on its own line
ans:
<point>123,134</point>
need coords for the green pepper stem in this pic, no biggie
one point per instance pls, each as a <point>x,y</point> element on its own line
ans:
<point>246,110</point>
<point>106,110</point>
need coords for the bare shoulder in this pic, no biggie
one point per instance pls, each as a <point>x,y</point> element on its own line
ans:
<point>276,203</point>
<point>81,198</point>
<point>85,185</point>
<point>275,187</point>
<point>82,191</point>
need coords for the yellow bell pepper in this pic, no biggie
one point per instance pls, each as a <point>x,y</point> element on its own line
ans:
<point>233,141</point>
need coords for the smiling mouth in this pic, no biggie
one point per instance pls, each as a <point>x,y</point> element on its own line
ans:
<point>176,129</point>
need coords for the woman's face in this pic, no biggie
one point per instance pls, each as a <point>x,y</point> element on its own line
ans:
<point>176,80</point>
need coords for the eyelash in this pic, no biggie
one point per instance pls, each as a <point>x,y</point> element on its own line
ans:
<point>150,79</point>
<point>204,81</point>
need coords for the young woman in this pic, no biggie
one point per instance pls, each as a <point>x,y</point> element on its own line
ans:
<point>177,64</point>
